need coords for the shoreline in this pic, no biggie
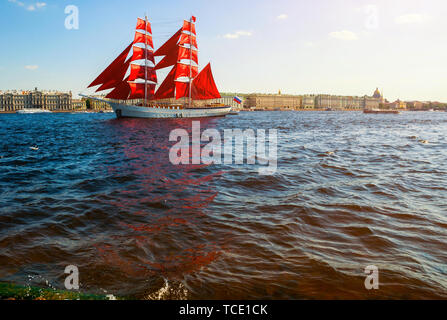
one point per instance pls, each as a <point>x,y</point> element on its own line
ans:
<point>242,110</point>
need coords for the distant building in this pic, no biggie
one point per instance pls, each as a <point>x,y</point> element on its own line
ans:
<point>342,102</point>
<point>15,100</point>
<point>398,104</point>
<point>228,100</point>
<point>378,95</point>
<point>273,101</point>
<point>322,102</point>
<point>308,102</point>
<point>79,104</point>
<point>418,105</point>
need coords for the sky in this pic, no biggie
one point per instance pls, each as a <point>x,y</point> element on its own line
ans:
<point>345,47</point>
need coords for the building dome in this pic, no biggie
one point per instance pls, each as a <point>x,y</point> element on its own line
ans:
<point>377,94</point>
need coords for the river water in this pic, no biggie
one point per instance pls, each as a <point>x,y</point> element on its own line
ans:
<point>351,190</point>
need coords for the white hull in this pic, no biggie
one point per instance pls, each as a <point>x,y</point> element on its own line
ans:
<point>129,111</point>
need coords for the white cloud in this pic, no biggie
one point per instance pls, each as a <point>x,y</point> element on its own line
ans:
<point>344,35</point>
<point>282,16</point>
<point>29,7</point>
<point>238,34</point>
<point>412,18</point>
<point>19,3</point>
<point>32,67</point>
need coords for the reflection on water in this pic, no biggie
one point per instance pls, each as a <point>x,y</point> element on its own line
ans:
<point>351,190</point>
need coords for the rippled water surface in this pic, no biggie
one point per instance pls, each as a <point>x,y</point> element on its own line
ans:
<point>351,190</point>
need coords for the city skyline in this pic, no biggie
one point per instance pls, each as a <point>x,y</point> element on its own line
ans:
<point>334,47</point>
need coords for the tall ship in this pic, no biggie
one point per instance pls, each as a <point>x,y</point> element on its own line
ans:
<point>132,76</point>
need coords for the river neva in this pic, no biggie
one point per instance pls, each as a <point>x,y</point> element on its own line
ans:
<point>350,191</point>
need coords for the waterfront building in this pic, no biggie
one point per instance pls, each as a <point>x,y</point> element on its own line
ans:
<point>319,102</point>
<point>228,100</point>
<point>398,104</point>
<point>378,95</point>
<point>308,102</point>
<point>273,102</point>
<point>416,105</point>
<point>346,102</point>
<point>79,104</point>
<point>11,101</point>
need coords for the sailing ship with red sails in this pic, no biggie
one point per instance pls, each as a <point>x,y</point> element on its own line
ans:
<point>132,76</point>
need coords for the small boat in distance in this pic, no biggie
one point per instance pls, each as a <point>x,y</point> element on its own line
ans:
<point>379,111</point>
<point>134,95</point>
<point>29,111</point>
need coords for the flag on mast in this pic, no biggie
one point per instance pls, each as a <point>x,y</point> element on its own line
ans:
<point>237,100</point>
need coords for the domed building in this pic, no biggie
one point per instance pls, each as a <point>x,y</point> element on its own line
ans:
<point>378,95</point>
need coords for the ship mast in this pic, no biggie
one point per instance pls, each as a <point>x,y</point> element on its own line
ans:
<point>190,61</point>
<point>145,61</point>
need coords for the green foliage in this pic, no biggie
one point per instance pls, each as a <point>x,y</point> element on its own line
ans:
<point>11,291</point>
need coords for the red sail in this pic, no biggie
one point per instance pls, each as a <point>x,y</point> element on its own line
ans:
<point>181,89</point>
<point>167,88</point>
<point>169,45</point>
<point>186,53</point>
<point>137,91</point>
<point>140,53</point>
<point>141,25</point>
<point>204,87</point>
<point>142,38</point>
<point>188,26</point>
<point>167,61</point>
<point>110,73</point>
<point>183,70</point>
<point>117,77</point>
<point>187,39</point>
<point>121,92</point>
<point>139,72</point>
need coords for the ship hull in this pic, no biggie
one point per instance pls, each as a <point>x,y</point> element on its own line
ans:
<point>129,111</point>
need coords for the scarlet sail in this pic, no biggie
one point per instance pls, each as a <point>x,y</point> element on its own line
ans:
<point>121,92</point>
<point>204,87</point>
<point>143,38</point>
<point>169,45</point>
<point>143,25</point>
<point>179,52</point>
<point>132,78</point>
<point>142,74</point>
<point>141,53</point>
<point>167,88</point>
<point>111,72</point>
